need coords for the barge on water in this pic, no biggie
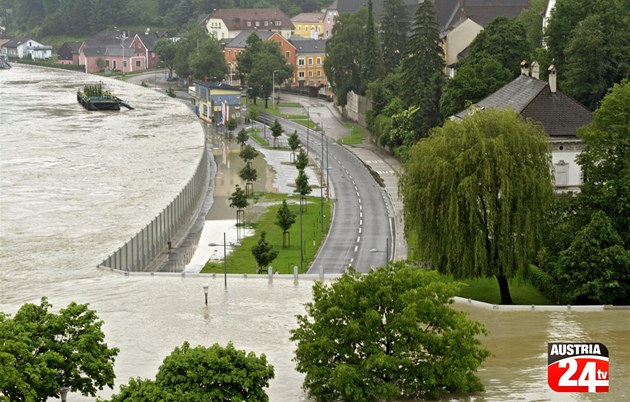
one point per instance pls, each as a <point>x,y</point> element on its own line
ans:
<point>94,97</point>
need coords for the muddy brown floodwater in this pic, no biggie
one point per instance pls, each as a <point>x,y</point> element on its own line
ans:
<point>75,185</point>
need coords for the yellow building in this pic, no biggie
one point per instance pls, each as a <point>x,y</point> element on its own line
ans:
<point>309,25</point>
<point>309,67</point>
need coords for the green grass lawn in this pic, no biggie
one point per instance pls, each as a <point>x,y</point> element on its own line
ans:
<point>355,137</point>
<point>241,259</point>
<point>487,290</point>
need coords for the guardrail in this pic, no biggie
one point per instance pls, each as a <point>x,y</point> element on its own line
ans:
<point>158,236</point>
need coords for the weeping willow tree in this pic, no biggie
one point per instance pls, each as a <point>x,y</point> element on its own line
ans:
<point>476,193</point>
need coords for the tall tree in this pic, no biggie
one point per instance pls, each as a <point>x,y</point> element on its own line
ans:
<point>167,50</point>
<point>473,82</point>
<point>242,137</point>
<point>476,194</point>
<point>42,351</point>
<point>372,67</point>
<point>605,160</point>
<point>208,60</point>
<point>609,19</point>
<point>294,144</point>
<point>302,160</point>
<point>216,373</point>
<point>386,335</point>
<point>423,68</point>
<point>343,57</point>
<point>394,26</point>
<point>596,267</point>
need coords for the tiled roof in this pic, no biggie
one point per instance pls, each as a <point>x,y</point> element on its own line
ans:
<point>559,114</point>
<point>240,41</point>
<point>217,85</point>
<point>15,42</point>
<point>309,46</point>
<point>481,11</point>
<point>235,18</point>
<point>308,17</point>
<point>350,6</point>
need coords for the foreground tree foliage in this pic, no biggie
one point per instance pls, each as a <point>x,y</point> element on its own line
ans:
<point>41,351</point>
<point>390,333</point>
<point>476,193</point>
<point>596,267</point>
<point>204,374</point>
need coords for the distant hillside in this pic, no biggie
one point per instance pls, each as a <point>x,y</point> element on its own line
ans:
<point>82,18</point>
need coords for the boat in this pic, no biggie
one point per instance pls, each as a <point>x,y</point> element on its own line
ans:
<point>94,97</point>
<point>4,62</point>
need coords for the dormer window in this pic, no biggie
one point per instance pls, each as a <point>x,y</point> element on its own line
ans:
<point>249,23</point>
<point>257,23</point>
<point>278,23</point>
<point>266,23</point>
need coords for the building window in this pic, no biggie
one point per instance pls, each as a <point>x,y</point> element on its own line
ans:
<point>319,73</point>
<point>301,61</point>
<point>310,61</point>
<point>137,63</point>
<point>310,74</point>
<point>305,28</point>
<point>106,63</point>
<point>301,74</point>
<point>562,173</point>
<point>124,63</point>
<point>248,23</point>
<point>266,23</point>
<point>319,61</point>
<point>278,23</point>
<point>257,23</point>
<point>287,54</point>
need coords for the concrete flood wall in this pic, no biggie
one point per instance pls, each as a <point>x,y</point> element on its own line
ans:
<point>140,252</point>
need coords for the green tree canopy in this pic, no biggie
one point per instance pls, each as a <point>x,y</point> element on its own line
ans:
<point>387,334</point>
<point>242,137</point>
<point>301,184</point>
<point>423,69</point>
<point>395,26</point>
<point>343,55</point>
<point>605,160</point>
<point>248,153</point>
<point>294,141</point>
<point>372,66</point>
<point>167,50</point>
<point>476,194</point>
<point>263,252</point>
<point>285,219</point>
<point>596,267</point>
<point>204,374</point>
<point>276,131</point>
<point>301,161</point>
<point>589,42</point>
<point>42,351</point>
<point>238,199</point>
<point>473,82</point>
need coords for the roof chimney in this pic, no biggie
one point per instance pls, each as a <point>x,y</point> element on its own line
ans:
<point>535,70</point>
<point>552,79</point>
<point>524,68</point>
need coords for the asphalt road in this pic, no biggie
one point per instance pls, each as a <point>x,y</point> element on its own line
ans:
<point>360,230</point>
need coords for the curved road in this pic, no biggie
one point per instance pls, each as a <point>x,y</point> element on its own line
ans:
<point>360,232</point>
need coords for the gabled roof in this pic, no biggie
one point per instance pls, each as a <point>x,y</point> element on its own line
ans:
<point>480,11</point>
<point>240,41</point>
<point>559,114</point>
<point>102,42</point>
<point>72,46</point>
<point>149,39</point>
<point>309,45</point>
<point>308,17</point>
<point>218,85</point>
<point>235,18</point>
<point>350,6</point>
<point>15,42</point>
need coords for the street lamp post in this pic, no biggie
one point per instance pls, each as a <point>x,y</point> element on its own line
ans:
<point>205,291</point>
<point>63,392</point>
<point>321,187</point>
<point>273,88</point>
<point>308,120</point>
<point>224,259</point>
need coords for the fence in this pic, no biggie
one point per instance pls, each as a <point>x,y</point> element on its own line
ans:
<point>137,254</point>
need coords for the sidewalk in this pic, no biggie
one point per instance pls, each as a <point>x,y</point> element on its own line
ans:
<point>385,165</point>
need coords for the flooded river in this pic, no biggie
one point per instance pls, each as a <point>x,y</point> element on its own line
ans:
<point>75,185</point>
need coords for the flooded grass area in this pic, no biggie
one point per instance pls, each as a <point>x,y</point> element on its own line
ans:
<point>241,259</point>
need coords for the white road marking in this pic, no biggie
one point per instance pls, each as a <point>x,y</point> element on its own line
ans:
<point>358,239</point>
<point>356,248</point>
